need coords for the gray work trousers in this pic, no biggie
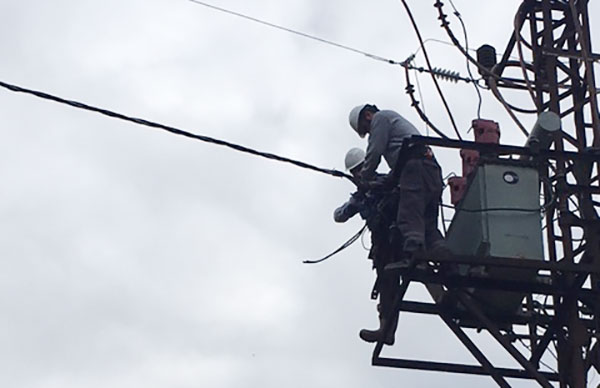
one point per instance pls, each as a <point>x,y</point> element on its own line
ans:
<point>421,188</point>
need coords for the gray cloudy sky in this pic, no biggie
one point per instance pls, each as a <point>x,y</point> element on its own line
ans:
<point>135,258</point>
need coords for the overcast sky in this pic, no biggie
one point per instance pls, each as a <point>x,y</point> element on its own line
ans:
<point>135,258</point>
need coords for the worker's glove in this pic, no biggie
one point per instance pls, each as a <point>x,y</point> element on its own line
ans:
<point>380,184</point>
<point>363,186</point>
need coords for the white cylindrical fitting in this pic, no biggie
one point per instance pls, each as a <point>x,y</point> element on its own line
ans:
<point>541,135</point>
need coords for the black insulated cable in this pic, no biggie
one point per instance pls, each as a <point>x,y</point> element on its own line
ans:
<point>350,241</point>
<point>176,131</point>
<point>445,103</point>
<point>464,28</point>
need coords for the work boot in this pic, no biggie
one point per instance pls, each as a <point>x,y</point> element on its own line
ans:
<point>439,250</point>
<point>413,246</point>
<point>375,335</point>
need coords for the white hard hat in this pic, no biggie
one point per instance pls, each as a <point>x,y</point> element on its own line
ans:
<point>353,158</point>
<point>354,116</point>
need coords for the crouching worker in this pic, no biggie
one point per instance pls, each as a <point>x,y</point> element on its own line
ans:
<point>378,208</point>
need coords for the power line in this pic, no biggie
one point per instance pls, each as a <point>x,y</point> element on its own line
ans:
<point>464,28</point>
<point>296,32</point>
<point>446,25</point>
<point>175,131</point>
<point>431,70</point>
<point>410,90</point>
<point>436,72</point>
<point>441,73</point>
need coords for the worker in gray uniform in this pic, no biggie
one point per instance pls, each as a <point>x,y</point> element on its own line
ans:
<point>377,206</point>
<point>362,201</point>
<point>420,184</point>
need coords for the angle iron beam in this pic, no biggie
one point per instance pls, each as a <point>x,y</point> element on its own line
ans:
<point>502,340</point>
<point>568,54</point>
<point>520,320</point>
<point>580,189</point>
<point>586,48</point>
<point>561,97</point>
<point>501,149</point>
<point>473,349</point>
<point>493,261</point>
<point>499,68</point>
<point>457,368</point>
<point>575,108</point>
<point>536,54</point>
<point>532,324</point>
<point>569,219</point>
<point>459,281</point>
<point>560,310</point>
<point>593,357</point>
<point>436,309</point>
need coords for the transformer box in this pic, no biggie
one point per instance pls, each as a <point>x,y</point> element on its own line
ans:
<point>499,216</point>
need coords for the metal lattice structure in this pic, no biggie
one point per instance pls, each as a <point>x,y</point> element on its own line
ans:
<point>562,304</point>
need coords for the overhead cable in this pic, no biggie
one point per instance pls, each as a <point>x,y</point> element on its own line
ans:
<point>410,90</point>
<point>496,209</point>
<point>416,28</point>
<point>464,28</point>
<point>509,110</point>
<point>176,131</point>
<point>446,25</point>
<point>454,76</point>
<point>303,34</point>
<point>518,25</point>
<point>585,51</point>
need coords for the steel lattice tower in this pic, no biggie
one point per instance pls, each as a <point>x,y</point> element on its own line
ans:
<point>556,69</point>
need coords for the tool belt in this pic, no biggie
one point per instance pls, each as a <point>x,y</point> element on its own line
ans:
<point>406,153</point>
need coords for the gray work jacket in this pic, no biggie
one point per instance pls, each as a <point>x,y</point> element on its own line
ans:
<point>388,130</point>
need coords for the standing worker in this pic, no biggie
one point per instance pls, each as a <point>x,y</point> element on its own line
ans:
<point>420,177</point>
<point>420,186</point>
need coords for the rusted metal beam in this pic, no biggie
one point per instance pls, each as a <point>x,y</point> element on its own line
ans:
<point>537,265</point>
<point>502,340</point>
<point>458,368</point>
<point>503,149</point>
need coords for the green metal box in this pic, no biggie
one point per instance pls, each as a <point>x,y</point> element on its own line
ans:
<point>499,216</point>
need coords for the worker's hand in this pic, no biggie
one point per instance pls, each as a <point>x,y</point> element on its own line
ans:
<point>363,186</point>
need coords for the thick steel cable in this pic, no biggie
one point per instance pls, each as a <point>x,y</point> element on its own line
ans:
<point>496,93</point>
<point>410,90</point>
<point>588,72</point>
<point>176,131</point>
<point>446,25</point>
<point>518,25</point>
<point>437,86</point>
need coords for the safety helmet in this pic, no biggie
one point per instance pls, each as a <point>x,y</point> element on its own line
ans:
<point>354,116</point>
<point>353,158</point>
